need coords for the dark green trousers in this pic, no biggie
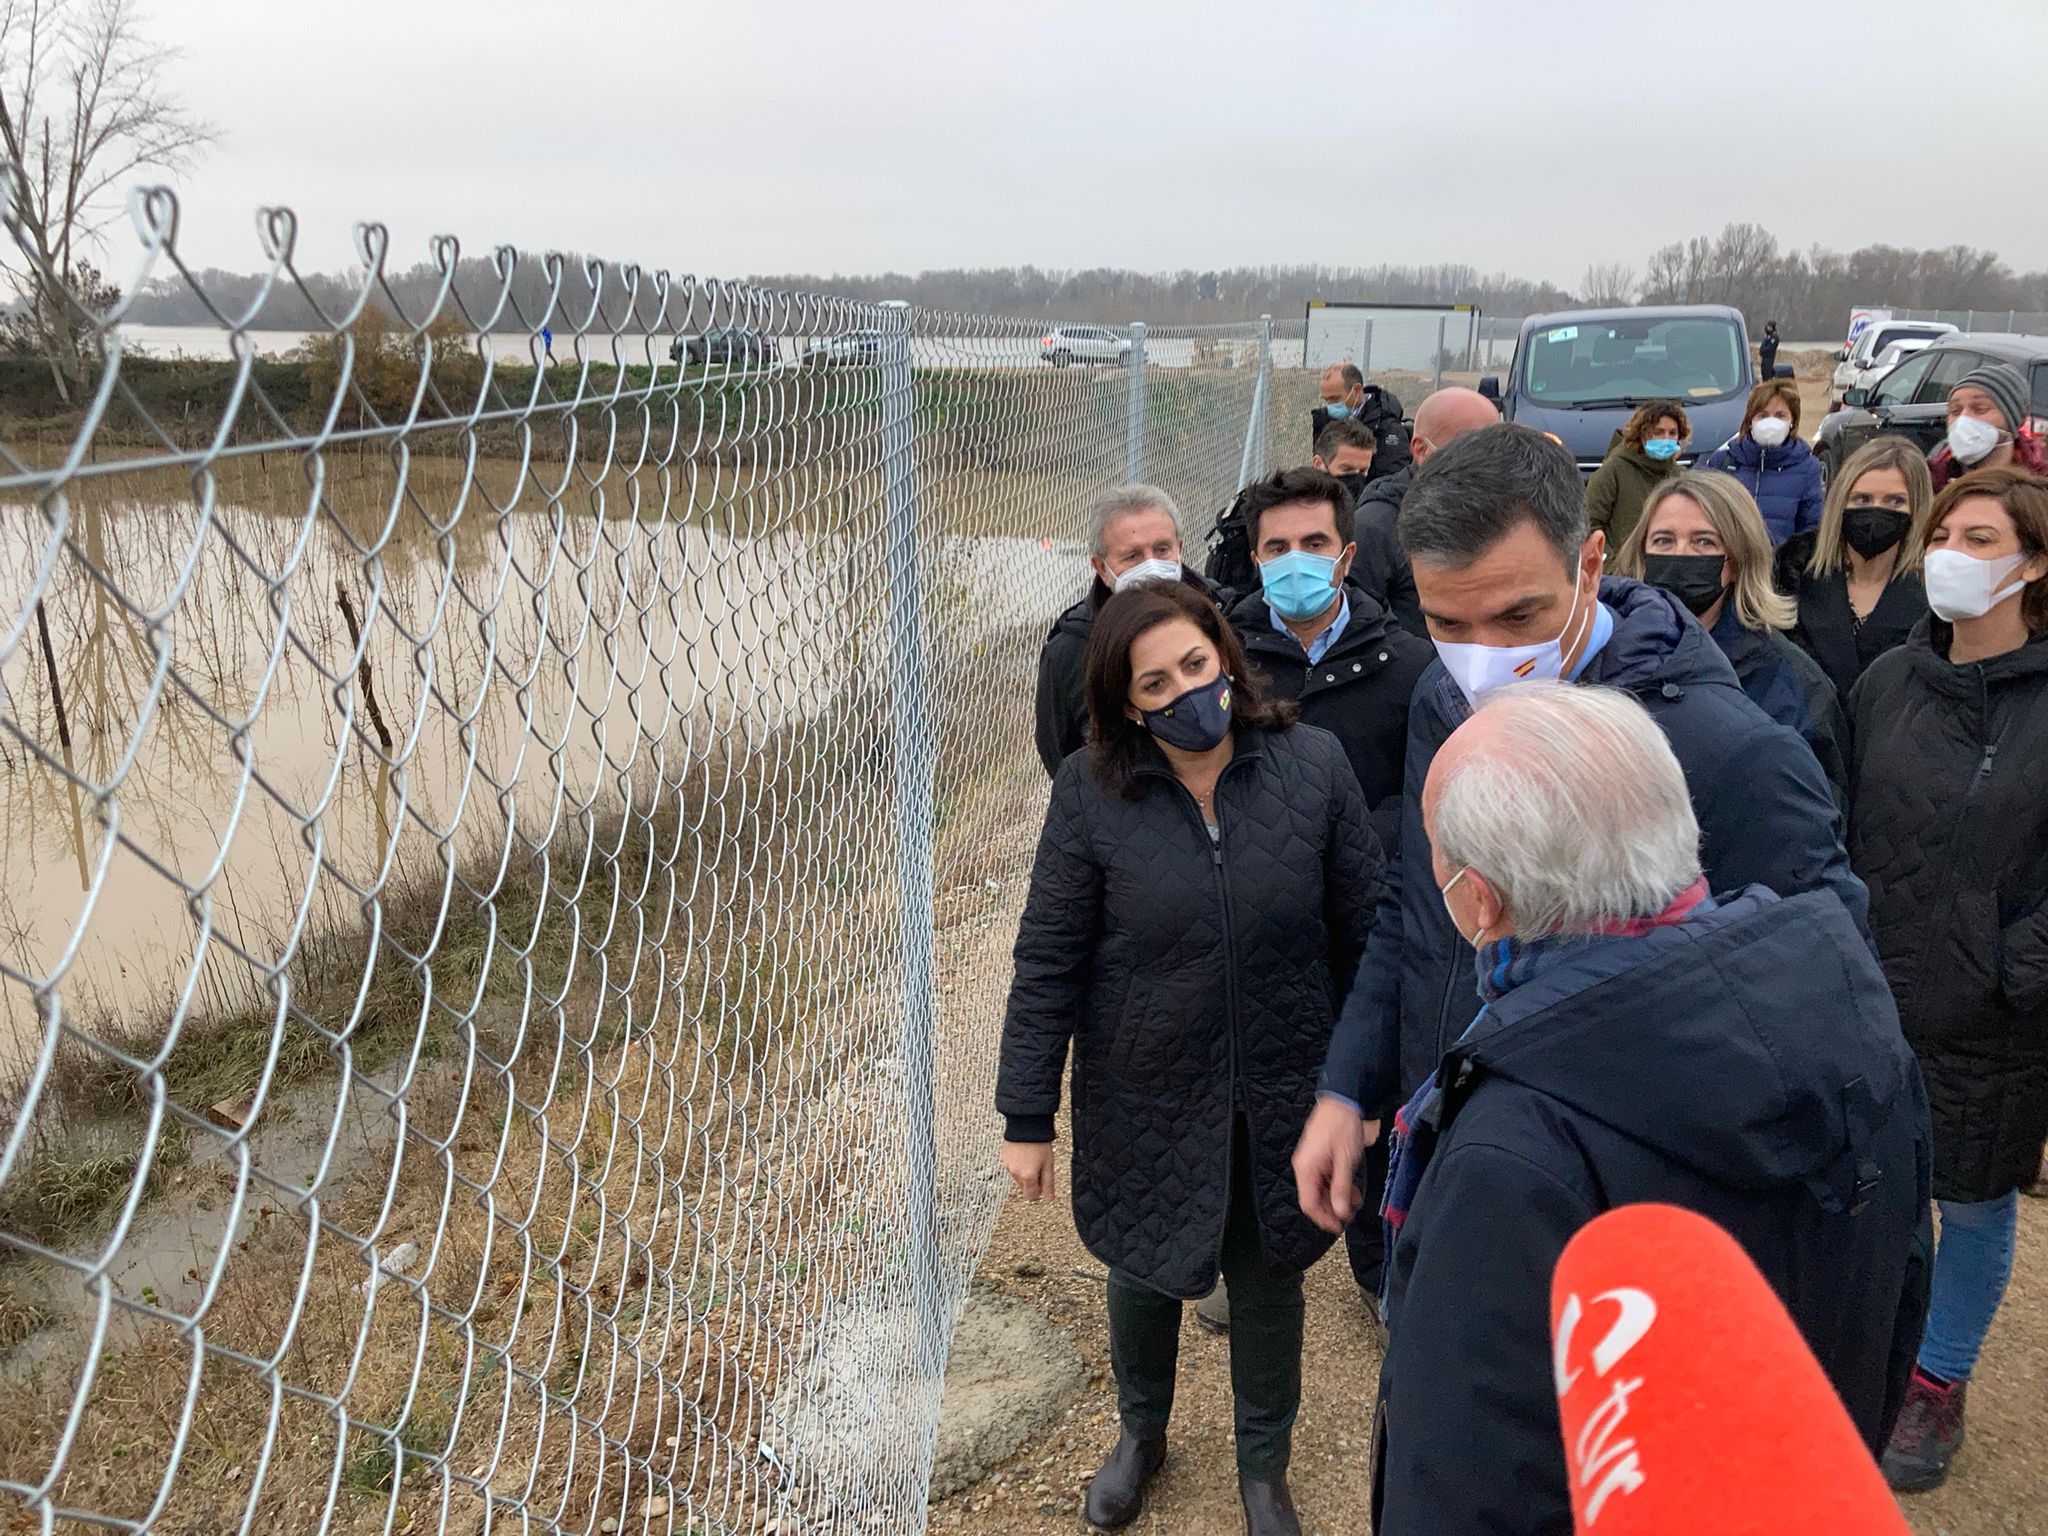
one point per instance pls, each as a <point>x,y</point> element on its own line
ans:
<point>1265,1339</point>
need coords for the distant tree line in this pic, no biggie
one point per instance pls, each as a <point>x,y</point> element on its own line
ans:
<point>1809,293</point>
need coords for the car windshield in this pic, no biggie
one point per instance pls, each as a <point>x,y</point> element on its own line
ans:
<point>1626,362</point>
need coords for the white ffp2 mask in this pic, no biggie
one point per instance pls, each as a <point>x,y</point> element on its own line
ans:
<point>1148,570</point>
<point>1960,586</point>
<point>1770,431</point>
<point>1971,438</point>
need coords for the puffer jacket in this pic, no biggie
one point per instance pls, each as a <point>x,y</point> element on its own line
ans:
<point>1619,487</point>
<point>1358,692</point>
<point>1784,480</point>
<point>1948,825</point>
<point>1744,1064</point>
<point>1766,818</point>
<point>1196,981</point>
<point>1789,686</point>
<point>1062,703</point>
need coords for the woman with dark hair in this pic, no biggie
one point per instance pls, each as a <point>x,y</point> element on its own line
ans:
<point>1856,578</point>
<point>1772,461</point>
<point>1644,454</point>
<point>1202,893</point>
<point>1948,825</point>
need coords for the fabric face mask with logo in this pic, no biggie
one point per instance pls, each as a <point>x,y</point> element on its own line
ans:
<point>1479,669</point>
<point>1960,586</point>
<point>1148,570</point>
<point>1196,721</point>
<point>1299,585</point>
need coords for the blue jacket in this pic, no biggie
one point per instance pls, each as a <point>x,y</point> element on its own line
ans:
<point>1765,811</point>
<point>1745,1064</point>
<point>1785,481</point>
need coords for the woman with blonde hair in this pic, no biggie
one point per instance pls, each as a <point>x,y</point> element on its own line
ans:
<point>1856,578</point>
<point>1703,541</point>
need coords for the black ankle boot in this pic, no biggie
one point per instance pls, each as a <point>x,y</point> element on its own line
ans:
<point>1117,1492</point>
<point>1268,1507</point>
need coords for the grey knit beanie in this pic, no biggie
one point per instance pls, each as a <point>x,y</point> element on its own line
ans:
<point>2004,384</point>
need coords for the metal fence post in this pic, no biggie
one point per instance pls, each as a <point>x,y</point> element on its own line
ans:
<point>915,824</point>
<point>1365,351</point>
<point>1970,320</point>
<point>1437,362</point>
<point>2010,316</point>
<point>1134,448</point>
<point>1254,460</point>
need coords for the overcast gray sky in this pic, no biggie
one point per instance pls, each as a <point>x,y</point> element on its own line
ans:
<point>800,136</point>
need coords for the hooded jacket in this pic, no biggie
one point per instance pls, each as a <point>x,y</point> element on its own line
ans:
<point>1358,692</point>
<point>1789,686</point>
<point>1196,981</point>
<point>1745,1064</point>
<point>1382,566</point>
<point>1061,727</point>
<point>1948,824</point>
<point>1619,487</point>
<point>1785,481</point>
<point>1828,629</point>
<point>1766,818</point>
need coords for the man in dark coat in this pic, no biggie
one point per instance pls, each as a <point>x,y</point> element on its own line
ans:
<point>1507,571</point>
<point>1382,566</point>
<point>1347,397</point>
<point>1137,537</point>
<point>1641,1041</point>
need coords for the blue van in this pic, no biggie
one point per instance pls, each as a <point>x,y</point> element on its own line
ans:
<point>1580,375</point>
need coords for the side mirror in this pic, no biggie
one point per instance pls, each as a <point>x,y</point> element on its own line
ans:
<point>1841,354</point>
<point>1857,398</point>
<point>1490,387</point>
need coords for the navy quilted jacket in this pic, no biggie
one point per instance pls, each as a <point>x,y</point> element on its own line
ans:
<point>1948,824</point>
<point>1195,981</point>
<point>1785,481</point>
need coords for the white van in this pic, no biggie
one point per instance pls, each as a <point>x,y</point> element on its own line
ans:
<point>1874,338</point>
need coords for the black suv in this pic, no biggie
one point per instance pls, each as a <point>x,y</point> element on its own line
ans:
<point>1912,400</point>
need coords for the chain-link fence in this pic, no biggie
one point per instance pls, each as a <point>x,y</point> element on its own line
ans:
<point>511,857</point>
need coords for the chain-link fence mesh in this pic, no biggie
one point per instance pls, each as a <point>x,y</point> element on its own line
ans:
<point>511,858</point>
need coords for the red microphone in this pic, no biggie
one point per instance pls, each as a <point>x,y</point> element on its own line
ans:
<point>1689,1401</point>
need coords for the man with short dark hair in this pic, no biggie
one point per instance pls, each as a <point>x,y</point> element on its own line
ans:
<point>1325,642</point>
<point>1382,567</point>
<point>1345,449</point>
<point>1347,397</point>
<point>1508,575</point>
<point>1136,536</point>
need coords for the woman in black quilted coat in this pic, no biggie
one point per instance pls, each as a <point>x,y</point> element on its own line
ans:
<point>1202,892</point>
<point>1948,825</point>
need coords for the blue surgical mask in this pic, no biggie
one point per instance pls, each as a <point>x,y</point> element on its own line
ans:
<point>1662,448</point>
<point>1337,412</point>
<point>1299,585</point>
<point>1196,721</point>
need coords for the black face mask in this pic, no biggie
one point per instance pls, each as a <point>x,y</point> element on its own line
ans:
<point>1354,483</point>
<point>1873,530</point>
<point>1695,580</point>
<point>1196,721</point>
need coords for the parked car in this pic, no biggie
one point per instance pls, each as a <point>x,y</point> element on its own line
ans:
<point>1066,344</point>
<point>1912,399</point>
<point>1580,375</point>
<point>727,346</point>
<point>853,349</point>
<point>1890,358</point>
<point>1853,360</point>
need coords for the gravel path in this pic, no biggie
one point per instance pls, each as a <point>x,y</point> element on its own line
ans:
<point>2000,1484</point>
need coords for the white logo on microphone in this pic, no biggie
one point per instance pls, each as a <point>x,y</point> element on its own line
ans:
<point>1598,1457</point>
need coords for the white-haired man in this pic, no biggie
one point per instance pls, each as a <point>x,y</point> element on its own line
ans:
<point>1136,536</point>
<point>1641,1041</point>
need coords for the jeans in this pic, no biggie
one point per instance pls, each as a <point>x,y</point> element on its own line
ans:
<point>1972,1263</point>
<point>1265,1339</point>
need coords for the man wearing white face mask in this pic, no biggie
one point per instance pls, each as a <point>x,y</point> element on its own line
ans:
<point>1509,579</point>
<point>1137,537</point>
<point>1987,426</point>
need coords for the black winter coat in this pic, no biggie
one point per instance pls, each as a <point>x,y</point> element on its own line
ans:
<point>1358,692</point>
<point>1382,566</point>
<point>1789,686</point>
<point>1766,818</point>
<point>1196,982</point>
<point>1745,1064</point>
<point>1827,629</point>
<point>1948,825</point>
<point>1062,706</point>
